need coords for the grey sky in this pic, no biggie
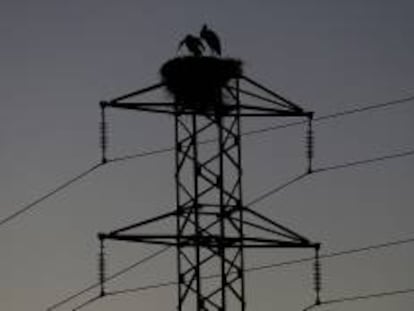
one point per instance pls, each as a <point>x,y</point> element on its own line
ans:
<point>58,59</point>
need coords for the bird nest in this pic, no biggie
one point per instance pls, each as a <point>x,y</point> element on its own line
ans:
<point>196,82</point>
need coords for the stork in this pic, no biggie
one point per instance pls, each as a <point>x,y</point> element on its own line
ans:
<point>212,40</point>
<point>193,44</point>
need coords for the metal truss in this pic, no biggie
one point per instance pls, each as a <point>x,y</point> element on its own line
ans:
<point>213,226</point>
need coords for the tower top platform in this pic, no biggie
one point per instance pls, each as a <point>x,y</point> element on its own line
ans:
<point>208,86</point>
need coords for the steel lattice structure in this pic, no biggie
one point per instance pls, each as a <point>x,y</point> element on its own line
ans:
<point>213,226</point>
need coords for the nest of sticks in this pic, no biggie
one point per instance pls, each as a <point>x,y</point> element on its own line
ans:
<point>196,82</point>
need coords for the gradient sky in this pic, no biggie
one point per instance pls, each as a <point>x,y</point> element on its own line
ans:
<point>58,59</point>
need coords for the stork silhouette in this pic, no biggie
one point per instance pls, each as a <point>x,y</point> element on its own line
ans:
<point>193,45</point>
<point>212,39</point>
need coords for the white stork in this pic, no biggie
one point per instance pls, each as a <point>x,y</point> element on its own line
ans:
<point>212,40</point>
<point>193,44</point>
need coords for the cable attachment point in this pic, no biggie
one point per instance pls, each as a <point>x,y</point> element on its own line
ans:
<point>310,143</point>
<point>102,266</point>
<point>103,130</point>
<point>317,275</point>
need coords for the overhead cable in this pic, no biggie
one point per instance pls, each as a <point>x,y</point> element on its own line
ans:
<point>107,279</point>
<point>270,266</point>
<point>278,127</point>
<point>46,196</point>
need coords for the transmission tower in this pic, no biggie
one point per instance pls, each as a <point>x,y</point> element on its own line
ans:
<point>213,226</point>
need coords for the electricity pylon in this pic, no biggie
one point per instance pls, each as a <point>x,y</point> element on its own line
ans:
<point>213,226</point>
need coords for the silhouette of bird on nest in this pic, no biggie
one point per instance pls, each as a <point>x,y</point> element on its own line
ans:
<point>193,44</point>
<point>212,40</point>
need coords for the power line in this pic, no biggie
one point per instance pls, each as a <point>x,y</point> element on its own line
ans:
<point>361,297</point>
<point>46,196</point>
<point>367,161</point>
<point>277,189</point>
<point>354,298</point>
<point>335,254</point>
<point>270,193</point>
<point>368,296</point>
<point>115,293</point>
<point>330,168</point>
<point>87,302</point>
<point>283,186</point>
<point>262,197</point>
<point>109,278</point>
<point>278,127</point>
<point>142,154</point>
<point>368,248</point>
<point>334,115</point>
<point>71,181</point>
<point>134,265</point>
<point>252,202</point>
<point>31,205</point>
<point>130,267</point>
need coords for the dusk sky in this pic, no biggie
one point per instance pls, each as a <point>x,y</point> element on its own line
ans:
<point>59,59</point>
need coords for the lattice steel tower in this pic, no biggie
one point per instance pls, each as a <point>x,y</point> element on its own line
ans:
<point>211,96</point>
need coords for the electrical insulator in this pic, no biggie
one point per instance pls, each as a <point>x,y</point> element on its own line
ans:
<point>102,268</point>
<point>317,276</point>
<point>310,144</point>
<point>103,129</point>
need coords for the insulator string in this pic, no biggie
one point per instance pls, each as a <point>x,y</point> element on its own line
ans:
<point>103,129</point>
<point>102,278</point>
<point>310,144</point>
<point>317,276</point>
